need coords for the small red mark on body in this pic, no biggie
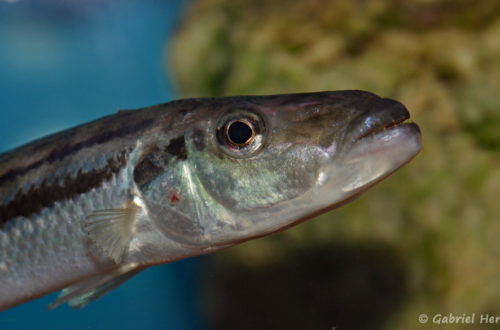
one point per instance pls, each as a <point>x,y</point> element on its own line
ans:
<point>174,196</point>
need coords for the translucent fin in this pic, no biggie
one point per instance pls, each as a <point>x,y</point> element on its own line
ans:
<point>111,230</point>
<point>80,294</point>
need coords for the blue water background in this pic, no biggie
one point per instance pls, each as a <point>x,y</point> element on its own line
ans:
<point>66,62</point>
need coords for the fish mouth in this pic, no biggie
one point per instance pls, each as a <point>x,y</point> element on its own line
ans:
<point>402,136</point>
<point>386,126</point>
<point>384,115</point>
<point>383,140</point>
<point>383,149</point>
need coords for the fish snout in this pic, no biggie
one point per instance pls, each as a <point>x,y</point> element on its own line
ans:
<point>376,115</point>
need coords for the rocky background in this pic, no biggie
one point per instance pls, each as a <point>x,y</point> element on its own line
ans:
<point>425,240</point>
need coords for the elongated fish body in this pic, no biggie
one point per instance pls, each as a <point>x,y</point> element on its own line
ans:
<point>87,208</point>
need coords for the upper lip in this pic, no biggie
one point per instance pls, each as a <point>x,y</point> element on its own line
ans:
<point>381,115</point>
<point>383,127</point>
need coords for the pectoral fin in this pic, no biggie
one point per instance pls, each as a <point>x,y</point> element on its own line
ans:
<point>111,230</point>
<point>82,293</point>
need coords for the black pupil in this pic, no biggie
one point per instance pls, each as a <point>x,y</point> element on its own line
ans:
<point>239,132</point>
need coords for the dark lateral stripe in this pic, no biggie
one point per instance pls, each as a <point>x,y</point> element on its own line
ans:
<point>38,198</point>
<point>59,154</point>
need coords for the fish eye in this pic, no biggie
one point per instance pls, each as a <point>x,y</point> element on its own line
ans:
<point>241,132</point>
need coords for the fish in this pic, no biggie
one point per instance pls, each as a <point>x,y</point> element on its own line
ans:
<point>84,210</point>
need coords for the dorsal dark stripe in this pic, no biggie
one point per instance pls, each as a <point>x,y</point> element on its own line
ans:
<point>38,198</point>
<point>67,150</point>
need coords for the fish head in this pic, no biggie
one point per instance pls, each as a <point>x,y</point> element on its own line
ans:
<point>258,165</point>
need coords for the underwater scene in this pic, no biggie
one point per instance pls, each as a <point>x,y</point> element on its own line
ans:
<point>417,251</point>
